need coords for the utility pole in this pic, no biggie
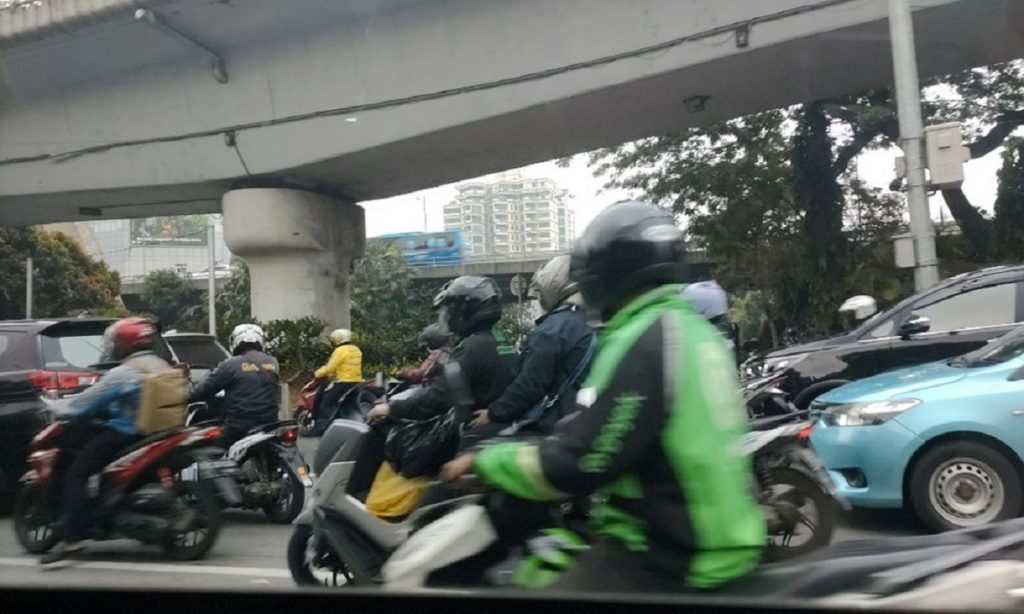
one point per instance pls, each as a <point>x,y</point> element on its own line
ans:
<point>211,282</point>
<point>908,102</point>
<point>28,288</point>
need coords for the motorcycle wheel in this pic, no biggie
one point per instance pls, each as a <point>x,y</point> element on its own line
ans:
<point>303,572</point>
<point>201,506</point>
<point>289,503</point>
<point>33,524</point>
<point>820,527</point>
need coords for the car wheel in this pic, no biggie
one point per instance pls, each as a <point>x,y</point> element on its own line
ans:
<point>962,484</point>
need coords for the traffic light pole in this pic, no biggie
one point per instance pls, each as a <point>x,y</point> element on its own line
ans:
<point>908,101</point>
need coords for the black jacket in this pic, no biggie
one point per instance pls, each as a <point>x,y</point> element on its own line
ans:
<point>551,355</point>
<point>486,366</point>
<point>252,388</point>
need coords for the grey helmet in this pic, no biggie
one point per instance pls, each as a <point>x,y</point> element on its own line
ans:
<point>708,299</point>
<point>551,285</point>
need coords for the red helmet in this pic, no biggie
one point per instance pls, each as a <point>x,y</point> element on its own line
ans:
<point>130,335</point>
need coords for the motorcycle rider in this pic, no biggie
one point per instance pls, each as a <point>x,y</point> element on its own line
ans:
<point>438,345</point>
<point>113,400</point>
<point>710,300</point>
<point>656,429</point>
<point>344,370</point>
<point>468,307</point>
<point>251,381</point>
<point>552,355</point>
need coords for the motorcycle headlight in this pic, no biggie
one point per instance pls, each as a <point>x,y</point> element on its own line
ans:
<point>867,414</point>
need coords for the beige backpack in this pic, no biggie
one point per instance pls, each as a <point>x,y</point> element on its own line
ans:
<point>163,399</point>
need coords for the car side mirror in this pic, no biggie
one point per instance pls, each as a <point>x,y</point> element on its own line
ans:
<point>914,325</point>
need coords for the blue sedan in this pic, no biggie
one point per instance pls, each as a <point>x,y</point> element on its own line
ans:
<point>944,439</point>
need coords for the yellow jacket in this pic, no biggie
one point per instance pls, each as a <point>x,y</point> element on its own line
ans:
<point>345,365</point>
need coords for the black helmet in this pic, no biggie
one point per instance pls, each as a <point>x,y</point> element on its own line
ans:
<point>628,246</point>
<point>433,337</point>
<point>468,304</point>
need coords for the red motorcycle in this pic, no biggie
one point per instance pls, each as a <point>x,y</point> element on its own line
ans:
<point>161,491</point>
<point>354,405</point>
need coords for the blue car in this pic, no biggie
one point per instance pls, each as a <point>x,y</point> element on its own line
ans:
<point>944,439</point>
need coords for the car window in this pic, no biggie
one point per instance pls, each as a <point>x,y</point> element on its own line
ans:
<point>8,340</point>
<point>197,351</point>
<point>1007,347</point>
<point>72,351</point>
<point>885,329</point>
<point>990,306</point>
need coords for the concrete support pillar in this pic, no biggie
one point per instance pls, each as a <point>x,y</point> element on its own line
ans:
<point>300,247</point>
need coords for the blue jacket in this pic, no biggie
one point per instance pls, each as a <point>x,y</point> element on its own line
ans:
<point>550,355</point>
<point>115,397</point>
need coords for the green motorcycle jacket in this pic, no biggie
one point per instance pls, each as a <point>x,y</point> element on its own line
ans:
<point>654,438</point>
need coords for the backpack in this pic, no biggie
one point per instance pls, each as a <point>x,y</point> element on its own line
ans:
<point>163,399</point>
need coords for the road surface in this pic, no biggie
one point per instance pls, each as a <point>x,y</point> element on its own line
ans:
<point>250,555</point>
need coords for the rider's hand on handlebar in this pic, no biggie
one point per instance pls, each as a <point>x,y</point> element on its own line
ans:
<point>481,417</point>
<point>455,469</point>
<point>379,412</point>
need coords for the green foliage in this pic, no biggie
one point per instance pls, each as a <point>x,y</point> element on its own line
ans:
<point>1009,207</point>
<point>388,310</point>
<point>298,345</point>
<point>516,322</point>
<point>171,298</point>
<point>233,305</point>
<point>65,281</point>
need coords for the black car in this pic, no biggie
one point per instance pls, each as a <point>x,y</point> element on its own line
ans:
<point>55,358</point>
<point>958,315</point>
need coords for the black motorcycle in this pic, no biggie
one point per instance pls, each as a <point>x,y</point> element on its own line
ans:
<point>273,475</point>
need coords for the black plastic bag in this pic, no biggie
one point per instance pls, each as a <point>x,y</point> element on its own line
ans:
<point>421,447</point>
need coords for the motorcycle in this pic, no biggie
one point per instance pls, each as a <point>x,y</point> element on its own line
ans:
<point>162,490</point>
<point>763,397</point>
<point>273,475</point>
<point>972,569</point>
<point>353,405</point>
<point>793,488</point>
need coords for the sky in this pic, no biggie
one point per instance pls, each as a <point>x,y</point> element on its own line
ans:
<point>587,196</point>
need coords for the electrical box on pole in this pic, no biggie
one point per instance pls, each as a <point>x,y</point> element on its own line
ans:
<point>945,155</point>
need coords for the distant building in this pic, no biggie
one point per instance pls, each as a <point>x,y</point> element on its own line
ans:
<point>511,215</point>
<point>134,248</point>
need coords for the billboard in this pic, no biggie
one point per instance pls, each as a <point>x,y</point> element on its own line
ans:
<point>174,230</point>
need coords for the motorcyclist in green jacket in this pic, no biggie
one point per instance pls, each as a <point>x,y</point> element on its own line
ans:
<point>655,432</point>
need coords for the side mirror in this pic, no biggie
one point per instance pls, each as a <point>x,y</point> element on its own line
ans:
<point>914,325</point>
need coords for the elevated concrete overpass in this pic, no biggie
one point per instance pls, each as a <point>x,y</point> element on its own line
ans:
<point>283,114</point>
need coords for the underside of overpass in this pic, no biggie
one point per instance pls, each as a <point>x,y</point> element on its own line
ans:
<point>106,112</point>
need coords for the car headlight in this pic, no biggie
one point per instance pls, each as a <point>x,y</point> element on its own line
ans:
<point>866,414</point>
<point>773,365</point>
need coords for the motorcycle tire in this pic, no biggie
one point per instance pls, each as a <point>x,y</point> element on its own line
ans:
<point>29,510</point>
<point>284,512</point>
<point>821,533</point>
<point>201,499</point>
<point>299,568</point>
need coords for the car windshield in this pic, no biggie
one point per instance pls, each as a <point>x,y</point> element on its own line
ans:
<point>202,352</point>
<point>1007,347</point>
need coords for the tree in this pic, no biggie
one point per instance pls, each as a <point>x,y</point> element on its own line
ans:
<point>170,297</point>
<point>66,280</point>
<point>233,305</point>
<point>1008,232</point>
<point>388,310</point>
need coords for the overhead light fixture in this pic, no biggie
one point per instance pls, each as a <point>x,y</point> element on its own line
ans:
<point>351,120</point>
<point>696,104</point>
<point>743,36</point>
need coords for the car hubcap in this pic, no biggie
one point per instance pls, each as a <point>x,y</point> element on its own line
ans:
<point>966,492</point>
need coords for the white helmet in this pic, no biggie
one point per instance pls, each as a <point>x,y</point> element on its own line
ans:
<point>707,298</point>
<point>341,335</point>
<point>861,306</point>
<point>246,333</point>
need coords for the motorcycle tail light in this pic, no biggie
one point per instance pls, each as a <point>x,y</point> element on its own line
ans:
<point>214,432</point>
<point>805,433</point>
<point>290,435</point>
